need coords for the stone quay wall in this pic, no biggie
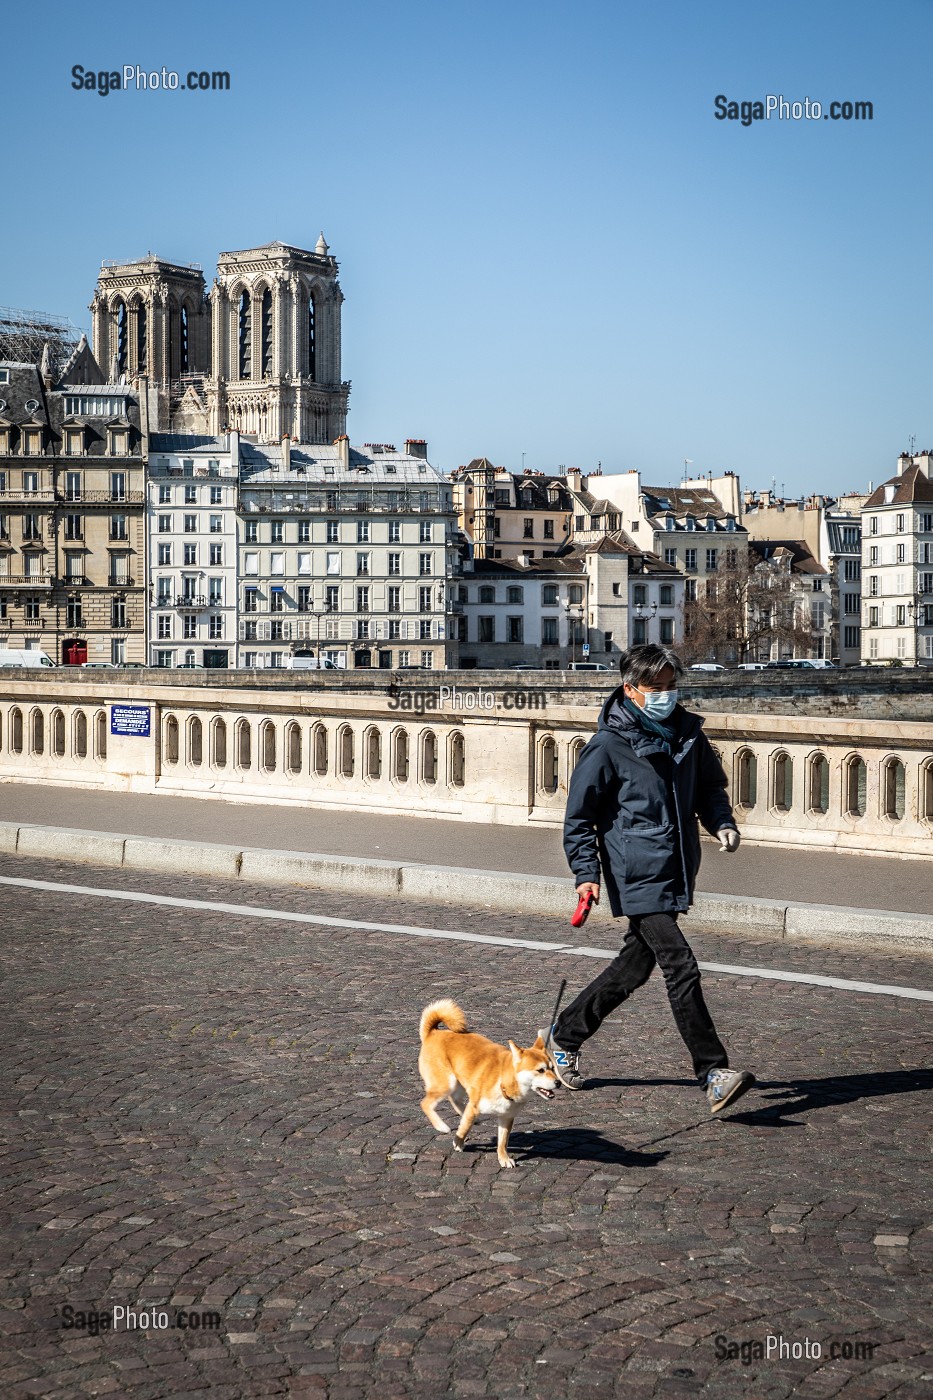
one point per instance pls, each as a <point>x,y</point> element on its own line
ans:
<point>841,760</point>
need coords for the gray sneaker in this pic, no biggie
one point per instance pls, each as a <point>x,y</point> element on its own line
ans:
<point>566,1062</point>
<point>725,1086</point>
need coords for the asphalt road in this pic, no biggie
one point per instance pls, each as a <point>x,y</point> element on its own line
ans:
<point>209,1111</point>
<point>859,881</point>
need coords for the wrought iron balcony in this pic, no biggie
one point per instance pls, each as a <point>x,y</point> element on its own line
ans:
<point>191,600</point>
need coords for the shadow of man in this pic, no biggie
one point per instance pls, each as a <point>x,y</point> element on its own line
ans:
<point>786,1097</point>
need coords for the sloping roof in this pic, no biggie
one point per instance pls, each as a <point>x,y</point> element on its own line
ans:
<point>185,442</point>
<point>510,568</point>
<point>613,542</point>
<point>801,557</point>
<point>912,485</point>
<point>261,464</point>
<point>682,501</point>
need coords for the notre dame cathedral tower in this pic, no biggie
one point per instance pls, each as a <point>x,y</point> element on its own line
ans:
<point>259,352</point>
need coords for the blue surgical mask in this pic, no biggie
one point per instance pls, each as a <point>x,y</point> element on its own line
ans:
<point>659,703</point>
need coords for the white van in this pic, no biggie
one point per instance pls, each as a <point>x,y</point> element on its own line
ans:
<point>303,661</point>
<point>32,660</point>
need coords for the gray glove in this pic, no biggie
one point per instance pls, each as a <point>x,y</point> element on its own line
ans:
<point>728,839</point>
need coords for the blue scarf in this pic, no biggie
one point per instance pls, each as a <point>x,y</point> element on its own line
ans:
<point>664,733</point>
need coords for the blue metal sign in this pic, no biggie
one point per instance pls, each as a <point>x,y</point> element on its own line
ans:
<point>131,719</point>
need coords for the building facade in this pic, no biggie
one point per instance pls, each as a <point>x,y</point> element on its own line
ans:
<point>191,525</point>
<point>508,516</point>
<point>897,566</point>
<point>72,527</point>
<point>347,554</point>
<point>830,530</point>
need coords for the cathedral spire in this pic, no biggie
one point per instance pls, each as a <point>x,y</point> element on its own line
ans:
<point>321,247</point>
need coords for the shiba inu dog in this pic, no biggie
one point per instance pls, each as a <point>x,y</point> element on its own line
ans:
<point>476,1075</point>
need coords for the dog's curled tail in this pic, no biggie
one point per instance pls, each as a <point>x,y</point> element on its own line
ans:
<point>445,1010</point>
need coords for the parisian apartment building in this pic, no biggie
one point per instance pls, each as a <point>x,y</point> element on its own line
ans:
<point>261,552</point>
<point>191,524</point>
<point>828,530</point>
<point>72,512</point>
<point>897,566</point>
<point>504,515</point>
<point>587,605</point>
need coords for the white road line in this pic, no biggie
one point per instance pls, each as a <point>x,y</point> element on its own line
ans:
<point>813,978</point>
<point>880,988</point>
<point>253,911</point>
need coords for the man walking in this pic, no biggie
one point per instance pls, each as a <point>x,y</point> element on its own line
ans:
<point>635,796</point>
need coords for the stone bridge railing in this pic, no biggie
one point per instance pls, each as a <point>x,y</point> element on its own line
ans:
<point>481,752</point>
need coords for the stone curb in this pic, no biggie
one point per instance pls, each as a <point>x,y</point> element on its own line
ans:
<point>496,889</point>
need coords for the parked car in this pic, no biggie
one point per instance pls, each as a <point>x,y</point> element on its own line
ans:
<point>589,666</point>
<point>707,666</point>
<point>751,665</point>
<point>30,658</point>
<point>98,666</point>
<point>800,663</point>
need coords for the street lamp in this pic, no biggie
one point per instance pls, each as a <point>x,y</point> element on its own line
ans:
<point>574,614</point>
<point>644,613</point>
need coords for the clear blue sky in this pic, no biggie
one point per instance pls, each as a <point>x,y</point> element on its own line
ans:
<point>548,243</point>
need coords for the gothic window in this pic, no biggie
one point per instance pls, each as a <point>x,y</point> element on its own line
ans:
<point>122,341</point>
<point>266,338</point>
<point>141,344</point>
<point>311,355</point>
<point>245,335</point>
<point>183,337</point>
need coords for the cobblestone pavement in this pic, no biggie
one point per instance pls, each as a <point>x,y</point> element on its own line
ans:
<point>209,1112</point>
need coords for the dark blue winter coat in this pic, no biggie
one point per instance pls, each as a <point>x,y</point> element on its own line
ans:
<point>632,810</point>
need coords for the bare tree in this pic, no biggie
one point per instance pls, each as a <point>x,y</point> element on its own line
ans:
<point>747,612</point>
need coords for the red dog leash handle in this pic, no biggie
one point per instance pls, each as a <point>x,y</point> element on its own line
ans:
<point>579,917</point>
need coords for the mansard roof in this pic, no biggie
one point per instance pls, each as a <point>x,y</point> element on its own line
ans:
<point>682,500</point>
<point>319,464</point>
<point>185,442</point>
<point>802,560</point>
<point>512,569</point>
<point>911,486</point>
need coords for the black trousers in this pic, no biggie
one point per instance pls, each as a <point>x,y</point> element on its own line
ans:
<point>650,939</point>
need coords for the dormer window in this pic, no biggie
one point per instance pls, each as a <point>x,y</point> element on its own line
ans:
<point>710,522</point>
<point>730,522</point>
<point>31,442</point>
<point>74,442</point>
<point>119,442</point>
<point>669,522</point>
<point>691,522</point>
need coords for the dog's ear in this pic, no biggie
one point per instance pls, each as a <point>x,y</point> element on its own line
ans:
<point>540,1040</point>
<point>516,1053</point>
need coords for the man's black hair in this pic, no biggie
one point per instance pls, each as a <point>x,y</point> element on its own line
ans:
<point>642,665</point>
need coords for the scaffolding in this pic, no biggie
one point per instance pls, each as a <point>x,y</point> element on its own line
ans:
<point>25,334</point>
